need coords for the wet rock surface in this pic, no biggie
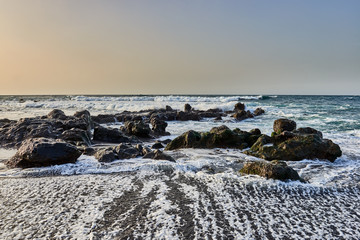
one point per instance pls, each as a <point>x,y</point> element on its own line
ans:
<point>294,145</point>
<point>274,170</point>
<point>40,152</point>
<point>218,137</point>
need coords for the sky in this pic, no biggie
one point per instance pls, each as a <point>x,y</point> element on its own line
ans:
<point>179,47</point>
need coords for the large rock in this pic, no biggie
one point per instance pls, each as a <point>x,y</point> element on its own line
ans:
<point>218,137</point>
<point>110,135</point>
<point>304,143</point>
<point>283,124</point>
<point>57,114</point>
<point>106,155</point>
<point>188,116</point>
<point>239,107</point>
<point>77,136</point>
<point>39,152</point>
<point>274,170</point>
<point>187,107</point>
<point>137,128</point>
<point>159,155</point>
<point>158,126</point>
<point>242,114</point>
<point>13,133</point>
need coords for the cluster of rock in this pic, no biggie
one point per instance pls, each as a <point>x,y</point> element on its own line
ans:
<point>289,143</point>
<point>241,114</point>
<point>285,143</point>
<point>169,114</point>
<point>58,139</point>
<point>127,151</point>
<point>218,137</point>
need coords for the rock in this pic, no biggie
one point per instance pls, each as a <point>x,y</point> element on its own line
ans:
<point>157,145</point>
<point>104,118</point>
<point>274,170</point>
<point>4,122</point>
<point>76,135</point>
<point>259,111</point>
<point>218,118</point>
<point>295,146</point>
<point>39,152</point>
<point>85,115</point>
<point>137,128</point>
<point>158,126</point>
<point>308,130</point>
<point>166,141</point>
<point>241,115</point>
<point>255,131</point>
<point>105,155</point>
<point>283,124</point>
<point>168,108</point>
<point>159,155</point>
<point>126,151</point>
<point>57,114</point>
<point>187,107</point>
<point>110,135</point>
<point>239,107</point>
<point>188,116</point>
<point>218,137</point>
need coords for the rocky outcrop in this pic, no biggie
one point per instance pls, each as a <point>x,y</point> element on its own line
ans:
<point>242,114</point>
<point>239,107</point>
<point>218,137</point>
<point>56,125</point>
<point>283,124</point>
<point>294,145</point>
<point>188,116</point>
<point>158,126</point>
<point>39,152</point>
<point>57,114</point>
<point>259,111</point>
<point>187,107</point>
<point>137,128</point>
<point>275,170</point>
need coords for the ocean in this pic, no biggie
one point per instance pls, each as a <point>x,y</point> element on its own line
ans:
<point>149,199</point>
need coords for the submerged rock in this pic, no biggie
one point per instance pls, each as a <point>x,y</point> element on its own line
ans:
<point>275,170</point>
<point>39,152</point>
<point>304,143</point>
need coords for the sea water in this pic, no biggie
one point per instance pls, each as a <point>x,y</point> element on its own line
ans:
<point>140,198</point>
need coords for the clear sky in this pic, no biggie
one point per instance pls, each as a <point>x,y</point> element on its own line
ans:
<point>179,47</point>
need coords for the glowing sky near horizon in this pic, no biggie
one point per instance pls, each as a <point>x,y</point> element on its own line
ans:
<point>179,47</point>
